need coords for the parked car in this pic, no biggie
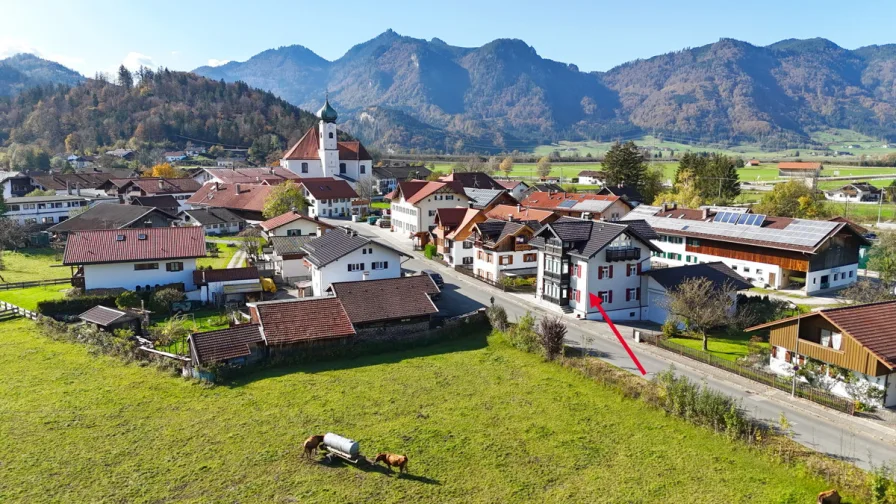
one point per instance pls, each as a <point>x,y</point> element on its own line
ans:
<point>437,278</point>
<point>385,222</point>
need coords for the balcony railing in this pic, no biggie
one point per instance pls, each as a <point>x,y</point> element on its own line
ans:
<point>562,277</point>
<point>553,249</point>
<point>556,301</point>
<point>623,254</point>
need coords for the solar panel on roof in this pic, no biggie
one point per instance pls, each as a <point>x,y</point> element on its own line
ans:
<point>567,204</point>
<point>732,218</point>
<point>743,218</point>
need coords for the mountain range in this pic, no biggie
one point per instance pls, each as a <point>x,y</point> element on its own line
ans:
<point>22,71</point>
<point>400,92</point>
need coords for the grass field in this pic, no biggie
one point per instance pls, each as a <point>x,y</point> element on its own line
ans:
<point>480,421</point>
<point>382,205</point>
<point>28,298</point>
<point>225,254</point>
<point>727,346</point>
<point>29,264</point>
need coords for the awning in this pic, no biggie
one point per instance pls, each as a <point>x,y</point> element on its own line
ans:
<point>240,288</point>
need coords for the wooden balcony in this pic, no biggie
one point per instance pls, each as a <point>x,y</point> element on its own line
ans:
<point>556,301</point>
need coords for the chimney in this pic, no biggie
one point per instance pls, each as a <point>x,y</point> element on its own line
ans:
<point>320,231</point>
<point>68,188</point>
<point>216,185</point>
<point>161,184</point>
<point>519,208</point>
<point>509,217</point>
<point>236,188</point>
<point>705,213</point>
<point>203,276</point>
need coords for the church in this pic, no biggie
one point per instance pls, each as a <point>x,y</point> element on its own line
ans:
<point>319,154</point>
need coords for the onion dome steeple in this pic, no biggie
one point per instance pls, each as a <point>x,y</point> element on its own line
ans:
<point>327,113</point>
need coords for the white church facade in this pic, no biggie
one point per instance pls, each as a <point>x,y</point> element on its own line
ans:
<point>319,153</point>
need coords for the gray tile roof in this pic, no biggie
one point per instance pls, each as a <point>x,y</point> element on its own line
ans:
<point>482,197</point>
<point>717,272</point>
<point>401,172</point>
<point>589,237</point>
<point>338,243</point>
<point>106,216</point>
<point>213,215</point>
<point>102,315</point>
<point>45,199</point>
<point>290,244</point>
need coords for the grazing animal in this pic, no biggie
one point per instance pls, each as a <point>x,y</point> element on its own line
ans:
<point>829,497</point>
<point>393,460</point>
<point>310,445</point>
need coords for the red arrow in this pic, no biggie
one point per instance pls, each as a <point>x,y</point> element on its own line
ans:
<point>598,302</point>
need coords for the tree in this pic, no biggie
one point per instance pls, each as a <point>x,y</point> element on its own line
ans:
<point>474,164</point>
<point>792,199</point>
<point>543,167</point>
<point>506,166</point>
<point>625,165</point>
<point>866,291</point>
<point>127,299</point>
<point>252,242</point>
<point>652,185</point>
<point>492,165</point>
<point>684,192</point>
<point>882,258</point>
<point>433,176</point>
<point>366,188</point>
<point>720,181</point>
<point>164,170</point>
<point>283,198</point>
<point>162,298</point>
<point>552,331</point>
<point>700,304</point>
<point>125,79</point>
<point>41,192</point>
<point>12,235</point>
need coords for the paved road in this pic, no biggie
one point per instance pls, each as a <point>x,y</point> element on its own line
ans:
<point>813,426</point>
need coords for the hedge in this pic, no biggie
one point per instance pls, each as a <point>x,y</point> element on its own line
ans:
<point>62,308</point>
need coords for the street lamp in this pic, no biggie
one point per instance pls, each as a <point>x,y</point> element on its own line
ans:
<point>793,387</point>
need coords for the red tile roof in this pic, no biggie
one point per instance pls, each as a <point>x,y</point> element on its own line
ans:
<point>509,184</point>
<point>369,301</point>
<point>328,188</point>
<point>546,200</point>
<point>225,275</point>
<point>353,151</point>
<point>799,166</point>
<point>104,246</point>
<point>223,344</point>
<point>288,217</point>
<point>166,185</point>
<point>304,320</point>
<point>271,175</point>
<point>306,148</point>
<point>521,213</point>
<point>415,191</point>
<point>450,217</point>
<point>250,197</point>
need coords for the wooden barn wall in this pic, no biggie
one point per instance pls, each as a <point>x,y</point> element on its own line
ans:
<point>783,258</point>
<point>851,356</point>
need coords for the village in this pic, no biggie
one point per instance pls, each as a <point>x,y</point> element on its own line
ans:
<point>329,254</point>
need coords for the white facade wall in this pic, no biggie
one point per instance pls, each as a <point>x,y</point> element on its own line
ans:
<point>337,207</point>
<point>619,284</point>
<point>338,271</point>
<point>300,227</point>
<point>590,181</point>
<point>305,168</point>
<point>123,275</point>
<point>404,217</point>
<point>492,270</point>
<point>52,212</point>
<point>458,254</point>
<point>422,216</point>
<point>836,277</point>
<point>214,290</point>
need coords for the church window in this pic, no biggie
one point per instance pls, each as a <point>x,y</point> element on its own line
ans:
<point>363,168</point>
<point>341,167</point>
<point>304,167</point>
<point>331,134</point>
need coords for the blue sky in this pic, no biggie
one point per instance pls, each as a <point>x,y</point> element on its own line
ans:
<point>92,35</point>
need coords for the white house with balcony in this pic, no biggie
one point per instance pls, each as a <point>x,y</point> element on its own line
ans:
<point>577,258</point>
<point>329,197</point>
<point>501,249</point>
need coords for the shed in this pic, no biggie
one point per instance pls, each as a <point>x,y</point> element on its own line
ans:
<point>110,319</point>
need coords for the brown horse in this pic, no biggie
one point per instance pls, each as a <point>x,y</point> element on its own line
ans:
<point>393,460</point>
<point>310,445</point>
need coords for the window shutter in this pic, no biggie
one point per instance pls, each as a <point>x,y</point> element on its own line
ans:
<point>637,293</point>
<point>628,270</point>
<point>610,293</point>
<point>579,270</point>
<point>628,294</point>
<point>639,268</point>
<point>611,271</point>
<point>510,259</point>
<point>349,267</point>
<point>600,272</point>
<point>578,295</point>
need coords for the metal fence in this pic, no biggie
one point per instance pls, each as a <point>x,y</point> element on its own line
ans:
<point>33,283</point>
<point>771,379</point>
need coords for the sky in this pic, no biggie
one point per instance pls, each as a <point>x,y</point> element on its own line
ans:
<point>100,35</point>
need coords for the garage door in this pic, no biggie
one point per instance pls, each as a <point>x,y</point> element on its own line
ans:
<point>655,311</point>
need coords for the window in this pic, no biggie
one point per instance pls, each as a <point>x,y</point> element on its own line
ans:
<point>330,135</point>
<point>604,272</point>
<point>830,339</point>
<point>146,266</point>
<point>633,294</point>
<point>758,271</point>
<point>304,167</point>
<point>341,167</point>
<point>734,267</point>
<point>293,232</point>
<point>530,257</point>
<point>363,169</point>
<point>174,266</point>
<point>47,220</point>
<point>631,269</point>
<point>449,197</point>
<point>356,267</point>
<point>605,296</point>
<point>505,260</point>
<point>380,265</point>
<point>467,260</point>
<point>432,213</point>
<point>746,269</point>
<point>850,274</point>
<point>468,245</point>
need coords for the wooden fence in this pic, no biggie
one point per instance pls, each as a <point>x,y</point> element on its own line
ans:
<point>34,283</point>
<point>4,306</point>
<point>771,379</point>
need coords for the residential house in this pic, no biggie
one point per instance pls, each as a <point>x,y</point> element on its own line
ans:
<point>753,162</point>
<point>502,247</point>
<point>472,180</point>
<point>180,188</point>
<point>857,192</point>
<point>516,188</point>
<point>806,172</point>
<point>286,257</point>
<point>113,216</point>
<point>126,154</point>
<point>234,346</point>
<point>329,197</point>
<point>70,183</point>
<point>519,213</point>
<point>853,349</point>
<point>15,184</point>
<point>111,320</point>
<point>247,201</point>
<point>194,150</point>
<point>771,252</point>
<point>44,211</point>
<point>290,324</point>
<point>661,281</point>
<point>577,258</point>
<point>628,193</point>
<point>388,177</point>
<point>165,203</point>
<point>586,206</point>
<point>486,199</point>
<point>266,175</point>
<point>320,154</point>
<point>79,162</point>
<point>416,202</point>
<point>453,227</point>
<point>393,306</point>
<point>175,156</point>
<point>294,223</point>
<point>542,187</point>
<point>228,162</point>
<point>344,256</point>
<point>215,221</point>
<point>134,259</point>
<point>592,177</point>
<point>228,285</point>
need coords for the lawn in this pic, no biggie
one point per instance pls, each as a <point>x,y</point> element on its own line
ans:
<point>225,253</point>
<point>727,346</point>
<point>382,205</point>
<point>29,264</point>
<point>480,422</point>
<point>28,298</point>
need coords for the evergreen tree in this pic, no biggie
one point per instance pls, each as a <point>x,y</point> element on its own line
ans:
<point>625,165</point>
<point>125,79</point>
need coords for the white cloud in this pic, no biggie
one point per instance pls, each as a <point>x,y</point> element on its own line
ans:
<point>134,60</point>
<point>216,62</point>
<point>10,47</point>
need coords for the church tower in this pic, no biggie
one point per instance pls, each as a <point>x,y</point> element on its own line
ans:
<point>328,151</point>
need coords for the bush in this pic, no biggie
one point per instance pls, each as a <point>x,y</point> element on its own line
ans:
<point>497,317</point>
<point>429,250</point>
<point>523,335</point>
<point>552,332</point>
<point>670,329</point>
<point>127,299</point>
<point>72,307</point>
<point>162,298</point>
